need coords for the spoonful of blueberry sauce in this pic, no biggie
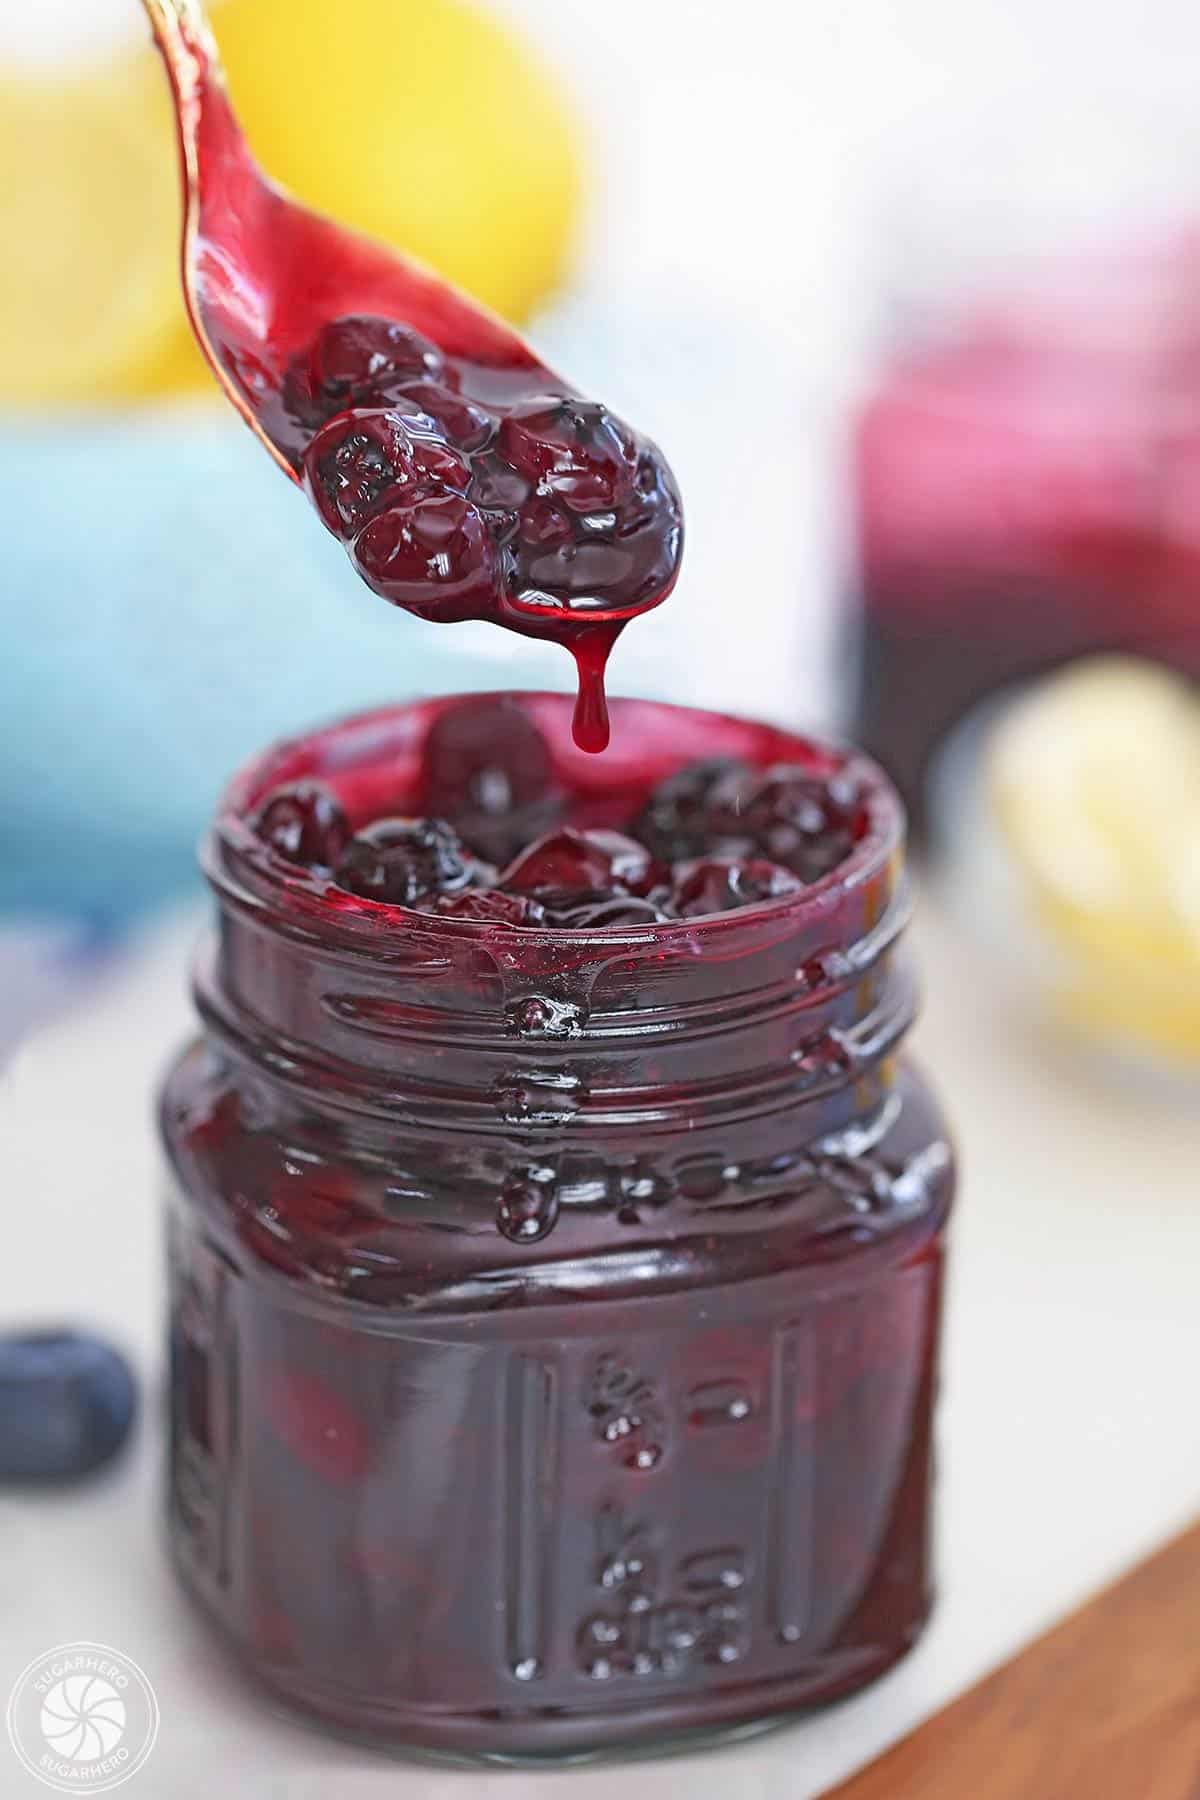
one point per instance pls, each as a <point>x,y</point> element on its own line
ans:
<point>465,478</point>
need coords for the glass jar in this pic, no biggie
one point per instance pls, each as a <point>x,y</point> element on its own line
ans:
<point>554,1314</point>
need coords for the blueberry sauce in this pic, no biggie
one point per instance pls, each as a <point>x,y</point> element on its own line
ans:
<point>458,499</point>
<point>709,838</point>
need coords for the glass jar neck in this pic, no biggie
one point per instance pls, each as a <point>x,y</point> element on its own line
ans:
<point>735,1018</point>
<point>698,1047</point>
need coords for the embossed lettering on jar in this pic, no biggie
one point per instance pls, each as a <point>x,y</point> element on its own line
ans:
<point>554,1312</point>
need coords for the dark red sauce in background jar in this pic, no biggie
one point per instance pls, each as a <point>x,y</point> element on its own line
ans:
<point>554,1313</point>
<point>1026,479</point>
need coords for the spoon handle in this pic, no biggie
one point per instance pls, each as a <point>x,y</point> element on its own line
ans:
<point>185,40</point>
<point>177,24</point>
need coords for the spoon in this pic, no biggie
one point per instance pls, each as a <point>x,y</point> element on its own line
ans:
<point>262,274</point>
<point>264,277</point>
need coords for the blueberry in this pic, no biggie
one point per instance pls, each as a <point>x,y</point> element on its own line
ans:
<point>570,863</point>
<point>792,815</point>
<point>303,823</point>
<point>675,822</point>
<point>804,819</point>
<point>431,554</point>
<point>67,1402</point>
<point>723,884</point>
<point>404,861</point>
<point>366,460</point>
<point>496,486</point>
<point>467,426</point>
<point>490,906</point>
<point>488,769</point>
<point>574,449</point>
<point>598,524</point>
<point>352,358</point>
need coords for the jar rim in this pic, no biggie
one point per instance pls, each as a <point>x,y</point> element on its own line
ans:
<point>313,905</point>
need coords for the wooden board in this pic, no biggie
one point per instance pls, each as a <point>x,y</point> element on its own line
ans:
<point>1106,1706</point>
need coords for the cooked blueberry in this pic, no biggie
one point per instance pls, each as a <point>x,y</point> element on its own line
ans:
<point>497,487</point>
<point>791,815</point>
<point>602,565</point>
<point>431,554</point>
<point>649,530</point>
<point>303,823</point>
<point>403,861</point>
<point>349,470</point>
<point>587,512</point>
<point>567,862</point>
<point>574,449</point>
<point>492,906</point>
<point>467,426</point>
<point>722,884</point>
<point>367,460</point>
<point>488,769</point>
<point>545,530</point>
<point>675,823</point>
<point>67,1402</point>
<point>352,358</point>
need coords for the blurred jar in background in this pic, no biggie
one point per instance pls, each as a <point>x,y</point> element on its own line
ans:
<point>1026,462</point>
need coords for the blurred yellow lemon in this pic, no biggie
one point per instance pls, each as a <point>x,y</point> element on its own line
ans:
<point>1095,783</point>
<point>423,122</point>
<point>88,207</point>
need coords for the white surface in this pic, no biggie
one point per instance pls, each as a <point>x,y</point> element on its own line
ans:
<point>1068,1430</point>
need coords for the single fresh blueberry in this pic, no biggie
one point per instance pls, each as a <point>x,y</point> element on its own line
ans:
<point>67,1402</point>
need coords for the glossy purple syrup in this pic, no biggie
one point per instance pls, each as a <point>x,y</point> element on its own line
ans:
<point>466,479</point>
<point>555,1308</point>
<point>713,837</point>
